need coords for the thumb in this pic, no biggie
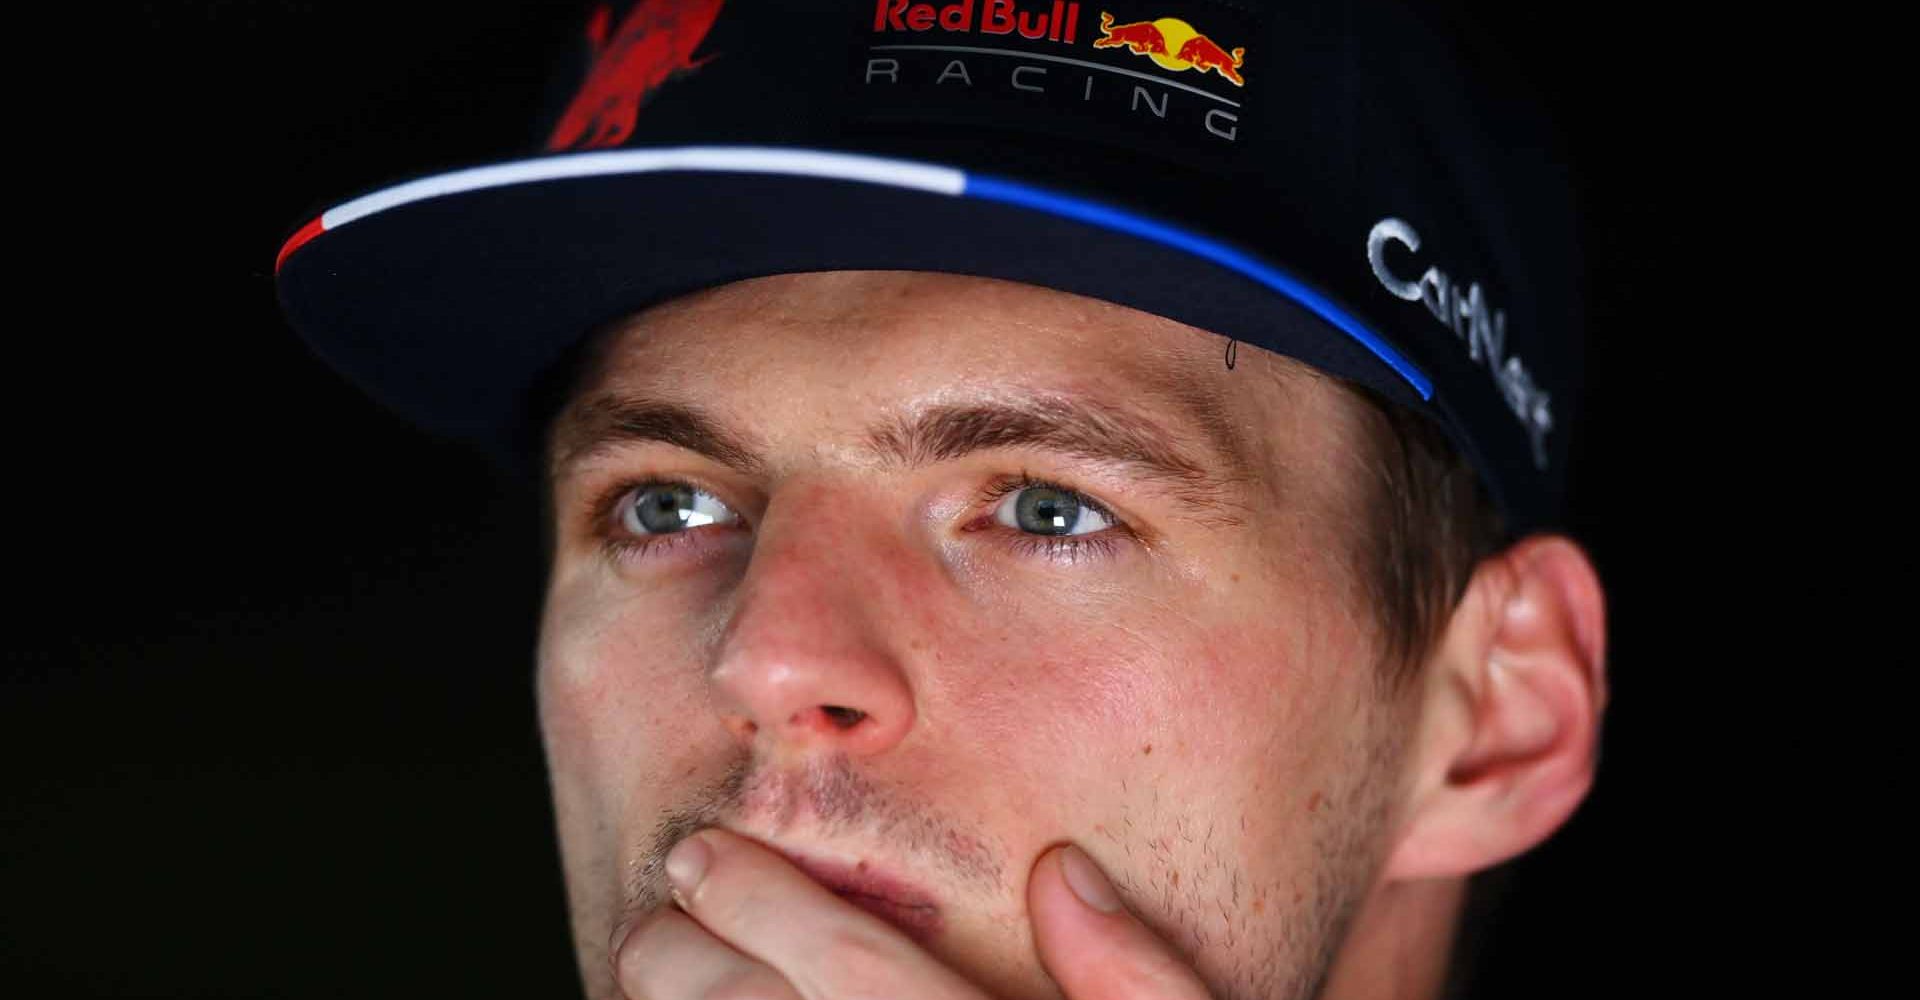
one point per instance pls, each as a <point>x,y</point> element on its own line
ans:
<point>1091,945</point>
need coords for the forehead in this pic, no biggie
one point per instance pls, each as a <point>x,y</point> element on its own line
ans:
<point>940,323</point>
<point>823,346</point>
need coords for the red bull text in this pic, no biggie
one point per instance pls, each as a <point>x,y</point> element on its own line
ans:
<point>997,17</point>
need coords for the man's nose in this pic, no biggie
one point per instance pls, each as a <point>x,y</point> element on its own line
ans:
<point>807,662</point>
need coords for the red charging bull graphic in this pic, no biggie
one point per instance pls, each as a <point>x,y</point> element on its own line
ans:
<point>1172,43</point>
<point>654,41</point>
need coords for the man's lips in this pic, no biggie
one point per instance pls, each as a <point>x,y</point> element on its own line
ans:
<point>884,894</point>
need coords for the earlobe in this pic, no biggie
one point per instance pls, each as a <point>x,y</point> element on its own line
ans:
<point>1510,721</point>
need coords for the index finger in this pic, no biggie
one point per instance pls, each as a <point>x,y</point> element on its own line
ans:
<point>759,902</point>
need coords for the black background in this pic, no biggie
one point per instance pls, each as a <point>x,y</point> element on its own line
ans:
<point>268,700</point>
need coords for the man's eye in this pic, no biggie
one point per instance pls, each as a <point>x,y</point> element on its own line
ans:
<point>668,508</point>
<point>1056,522</point>
<point>1045,509</point>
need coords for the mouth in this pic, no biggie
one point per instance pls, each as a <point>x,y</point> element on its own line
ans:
<point>884,894</point>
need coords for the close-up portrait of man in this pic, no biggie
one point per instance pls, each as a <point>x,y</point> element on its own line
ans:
<point>939,604</point>
<point>838,499</point>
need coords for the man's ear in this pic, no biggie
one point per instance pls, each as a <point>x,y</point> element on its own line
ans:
<point>1510,716</point>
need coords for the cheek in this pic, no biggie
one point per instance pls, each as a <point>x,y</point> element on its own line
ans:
<point>1046,681</point>
<point>619,710</point>
<point>1205,677</point>
<point>1229,701</point>
<point>1074,695</point>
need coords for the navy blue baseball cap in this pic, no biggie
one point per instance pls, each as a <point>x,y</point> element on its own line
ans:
<point>1332,181</point>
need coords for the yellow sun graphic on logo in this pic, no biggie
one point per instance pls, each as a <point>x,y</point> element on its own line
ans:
<point>1176,32</point>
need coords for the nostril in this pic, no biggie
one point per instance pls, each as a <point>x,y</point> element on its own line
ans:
<point>845,718</point>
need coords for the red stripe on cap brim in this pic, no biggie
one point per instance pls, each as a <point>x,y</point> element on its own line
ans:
<point>298,240</point>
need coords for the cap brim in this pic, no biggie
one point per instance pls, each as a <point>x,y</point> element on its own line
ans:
<point>449,296</point>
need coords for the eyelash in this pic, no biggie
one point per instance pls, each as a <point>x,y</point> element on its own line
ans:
<point>1070,549</point>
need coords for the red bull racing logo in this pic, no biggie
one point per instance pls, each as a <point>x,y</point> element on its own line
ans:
<point>1172,43</point>
<point>1033,64</point>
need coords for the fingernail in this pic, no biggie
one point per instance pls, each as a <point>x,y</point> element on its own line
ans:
<point>687,864</point>
<point>1084,877</point>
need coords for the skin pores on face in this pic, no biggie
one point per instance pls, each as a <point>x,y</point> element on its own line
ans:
<point>1193,706</point>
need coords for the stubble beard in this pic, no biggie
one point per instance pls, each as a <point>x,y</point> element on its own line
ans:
<point>1244,951</point>
<point>1276,940</point>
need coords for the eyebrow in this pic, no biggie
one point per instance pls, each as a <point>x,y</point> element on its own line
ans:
<point>1079,427</point>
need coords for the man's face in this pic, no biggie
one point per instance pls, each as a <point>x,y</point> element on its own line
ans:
<point>856,652</point>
